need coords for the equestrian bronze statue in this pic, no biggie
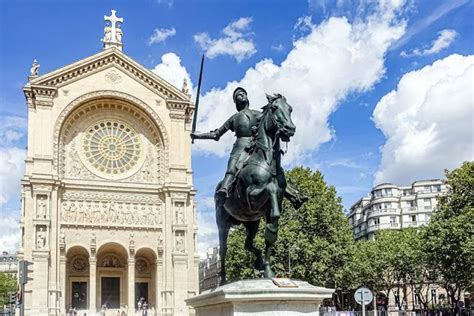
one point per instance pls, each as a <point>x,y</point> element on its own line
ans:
<point>254,183</point>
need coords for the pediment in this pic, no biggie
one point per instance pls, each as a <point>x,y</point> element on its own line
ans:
<point>111,57</point>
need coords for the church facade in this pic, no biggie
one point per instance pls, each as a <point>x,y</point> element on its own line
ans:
<point>108,214</point>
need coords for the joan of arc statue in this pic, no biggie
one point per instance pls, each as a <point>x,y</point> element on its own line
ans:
<point>243,124</point>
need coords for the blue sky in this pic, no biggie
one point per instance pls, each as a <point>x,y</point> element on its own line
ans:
<point>382,90</point>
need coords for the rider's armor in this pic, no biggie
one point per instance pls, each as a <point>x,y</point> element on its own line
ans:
<point>243,124</point>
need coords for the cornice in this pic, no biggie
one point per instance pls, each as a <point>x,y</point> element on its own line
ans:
<point>105,59</point>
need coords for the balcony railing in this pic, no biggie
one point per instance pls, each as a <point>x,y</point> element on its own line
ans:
<point>383,211</point>
<point>410,209</point>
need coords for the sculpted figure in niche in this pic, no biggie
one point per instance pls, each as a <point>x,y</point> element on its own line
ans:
<point>41,238</point>
<point>179,213</point>
<point>41,206</point>
<point>180,243</point>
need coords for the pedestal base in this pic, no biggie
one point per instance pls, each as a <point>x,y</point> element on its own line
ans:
<point>261,297</point>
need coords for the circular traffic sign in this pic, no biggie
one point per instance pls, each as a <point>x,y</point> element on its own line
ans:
<point>363,296</point>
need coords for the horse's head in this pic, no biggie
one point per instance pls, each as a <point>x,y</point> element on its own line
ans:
<point>281,115</point>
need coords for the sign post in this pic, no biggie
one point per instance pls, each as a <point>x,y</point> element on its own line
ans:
<point>363,296</point>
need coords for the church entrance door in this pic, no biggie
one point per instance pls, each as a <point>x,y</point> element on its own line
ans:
<point>110,295</point>
<point>79,295</point>
<point>141,291</point>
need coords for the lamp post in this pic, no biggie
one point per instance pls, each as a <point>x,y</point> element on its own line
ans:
<point>291,248</point>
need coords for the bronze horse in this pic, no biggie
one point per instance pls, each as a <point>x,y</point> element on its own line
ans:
<point>259,186</point>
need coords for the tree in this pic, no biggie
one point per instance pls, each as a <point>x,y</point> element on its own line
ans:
<point>314,242</point>
<point>7,286</point>
<point>449,237</point>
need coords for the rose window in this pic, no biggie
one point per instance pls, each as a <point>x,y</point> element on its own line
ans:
<point>111,147</point>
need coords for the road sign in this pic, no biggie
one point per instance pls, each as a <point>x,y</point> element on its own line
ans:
<point>363,296</point>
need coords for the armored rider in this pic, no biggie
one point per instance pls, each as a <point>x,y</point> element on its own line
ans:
<point>242,123</point>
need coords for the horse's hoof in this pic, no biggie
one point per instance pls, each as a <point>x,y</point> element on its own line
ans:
<point>268,273</point>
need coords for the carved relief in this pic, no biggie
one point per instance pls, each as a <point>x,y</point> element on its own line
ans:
<point>113,77</point>
<point>109,209</point>
<point>41,206</point>
<point>79,264</point>
<point>41,236</point>
<point>141,266</point>
<point>110,261</point>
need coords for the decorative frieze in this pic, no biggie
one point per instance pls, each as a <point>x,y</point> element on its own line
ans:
<point>93,212</point>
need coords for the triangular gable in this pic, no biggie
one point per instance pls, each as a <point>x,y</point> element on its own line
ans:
<point>97,62</point>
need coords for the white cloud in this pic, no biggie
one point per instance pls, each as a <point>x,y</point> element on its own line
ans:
<point>445,7</point>
<point>11,171</point>
<point>160,35</point>
<point>206,221</point>
<point>323,67</point>
<point>235,42</point>
<point>445,38</point>
<point>9,235</point>
<point>13,129</point>
<point>428,121</point>
<point>172,71</point>
<point>278,47</point>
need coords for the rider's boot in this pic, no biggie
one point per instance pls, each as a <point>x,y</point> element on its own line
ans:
<point>225,185</point>
<point>296,198</point>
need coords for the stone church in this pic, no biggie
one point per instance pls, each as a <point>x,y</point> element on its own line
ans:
<point>108,214</point>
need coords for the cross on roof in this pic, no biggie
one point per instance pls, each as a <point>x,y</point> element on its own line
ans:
<point>115,35</point>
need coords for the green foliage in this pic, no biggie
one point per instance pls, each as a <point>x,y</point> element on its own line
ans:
<point>450,236</point>
<point>7,286</point>
<point>317,236</point>
<point>319,240</point>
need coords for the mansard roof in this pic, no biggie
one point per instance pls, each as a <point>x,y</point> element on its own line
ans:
<point>105,59</point>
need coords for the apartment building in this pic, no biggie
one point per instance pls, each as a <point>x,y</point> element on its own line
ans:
<point>394,207</point>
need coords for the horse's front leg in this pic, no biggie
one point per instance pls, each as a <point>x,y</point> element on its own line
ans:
<point>252,228</point>
<point>223,224</point>
<point>271,228</point>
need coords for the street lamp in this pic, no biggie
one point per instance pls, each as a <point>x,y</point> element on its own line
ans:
<point>291,248</point>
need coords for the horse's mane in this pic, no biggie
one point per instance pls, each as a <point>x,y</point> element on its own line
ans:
<point>271,99</point>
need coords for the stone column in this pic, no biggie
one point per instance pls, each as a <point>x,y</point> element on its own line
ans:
<point>158,285</point>
<point>131,286</point>
<point>62,278</point>
<point>92,285</point>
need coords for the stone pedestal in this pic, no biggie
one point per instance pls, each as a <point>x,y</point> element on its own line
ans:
<point>260,297</point>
